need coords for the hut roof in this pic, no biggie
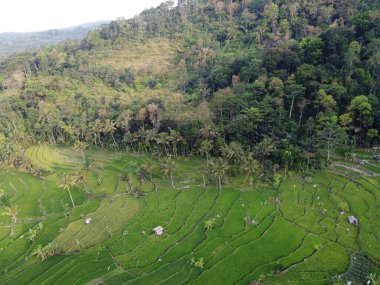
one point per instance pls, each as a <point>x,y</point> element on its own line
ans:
<point>158,230</point>
<point>353,220</point>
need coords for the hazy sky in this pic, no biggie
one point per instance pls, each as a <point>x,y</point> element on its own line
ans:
<point>38,15</point>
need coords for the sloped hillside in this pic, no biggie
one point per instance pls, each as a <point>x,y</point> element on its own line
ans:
<point>297,233</point>
<point>13,43</point>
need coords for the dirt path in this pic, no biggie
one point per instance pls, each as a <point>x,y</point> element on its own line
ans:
<point>355,169</point>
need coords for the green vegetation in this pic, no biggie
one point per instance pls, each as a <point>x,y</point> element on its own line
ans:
<point>246,129</point>
<point>289,81</point>
<point>12,43</point>
<point>292,232</point>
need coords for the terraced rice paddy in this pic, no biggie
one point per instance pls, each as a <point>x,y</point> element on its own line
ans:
<point>297,234</point>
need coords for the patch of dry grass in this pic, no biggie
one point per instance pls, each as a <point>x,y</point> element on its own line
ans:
<point>153,57</point>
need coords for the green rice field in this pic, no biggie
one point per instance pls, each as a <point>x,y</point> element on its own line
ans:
<point>296,234</point>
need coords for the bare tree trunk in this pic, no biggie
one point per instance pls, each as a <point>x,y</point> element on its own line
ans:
<point>300,118</point>
<point>129,185</point>
<point>220,183</point>
<point>171,179</point>
<point>154,184</point>
<point>291,108</point>
<point>114,141</point>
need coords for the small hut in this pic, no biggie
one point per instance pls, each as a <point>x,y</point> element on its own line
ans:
<point>353,220</point>
<point>88,221</point>
<point>158,230</point>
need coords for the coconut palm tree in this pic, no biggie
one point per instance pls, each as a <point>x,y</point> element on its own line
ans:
<point>205,148</point>
<point>148,169</point>
<point>31,235</point>
<point>205,173</point>
<point>208,224</point>
<point>12,212</point>
<point>109,127</point>
<point>219,168</point>
<point>162,139</point>
<point>140,138</point>
<point>96,129</point>
<point>374,279</point>
<point>40,252</point>
<point>82,146</point>
<point>175,139</point>
<point>168,167</point>
<point>140,176</point>
<point>250,167</point>
<point>127,178</point>
<point>66,183</point>
<point>199,263</point>
<point>81,178</point>
<point>264,149</point>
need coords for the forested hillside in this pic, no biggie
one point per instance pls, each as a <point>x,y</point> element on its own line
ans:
<point>12,43</point>
<point>282,79</point>
<point>213,142</point>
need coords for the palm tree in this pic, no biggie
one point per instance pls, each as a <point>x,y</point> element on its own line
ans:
<point>140,175</point>
<point>148,169</point>
<point>96,130</point>
<point>32,234</point>
<point>176,138</point>
<point>66,183</point>
<point>149,138</point>
<point>208,224</point>
<point>374,279</point>
<point>264,149</point>
<point>82,146</point>
<point>127,178</point>
<point>205,148</point>
<point>162,139</point>
<point>12,212</point>
<point>250,167</point>
<point>110,127</point>
<point>219,169</point>
<point>199,263</point>
<point>40,252</point>
<point>204,172</point>
<point>139,137</point>
<point>81,178</point>
<point>168,167</point>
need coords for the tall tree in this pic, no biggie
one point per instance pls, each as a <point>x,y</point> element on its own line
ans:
<point>219,168</point>
<point>264,149</point>
<point>109,127</point>
<point>168,167</point>
<point>127,178</point>
<point>329,135</point>
<point>81,178</point>
<point>251,167</point>
<point>205,148</point>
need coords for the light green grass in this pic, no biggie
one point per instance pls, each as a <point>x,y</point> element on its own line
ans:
<point>299,229</point>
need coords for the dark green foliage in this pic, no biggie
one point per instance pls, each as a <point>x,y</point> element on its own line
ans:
<point>254,70</point>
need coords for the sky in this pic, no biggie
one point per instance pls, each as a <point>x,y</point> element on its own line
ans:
<point>39,15</point>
